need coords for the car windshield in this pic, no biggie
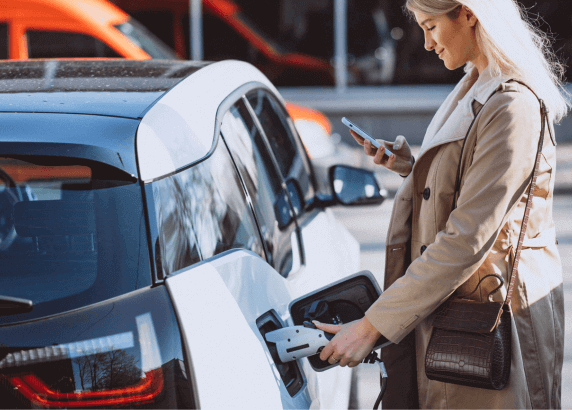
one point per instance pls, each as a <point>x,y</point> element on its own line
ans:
<point>146,40</point>
<point>72,233</point>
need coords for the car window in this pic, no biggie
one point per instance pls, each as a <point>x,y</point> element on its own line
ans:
<point>201,212</point>
<point>263,184</point>
<point>3,41</point>
<point>284,141</point>
<point>70,235</point>
<point>145,40</point>
<point>61,44</point>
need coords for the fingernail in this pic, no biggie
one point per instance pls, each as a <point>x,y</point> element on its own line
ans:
<point>392,156</point>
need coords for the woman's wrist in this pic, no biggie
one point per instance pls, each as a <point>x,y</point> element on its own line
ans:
<point>369,330</point>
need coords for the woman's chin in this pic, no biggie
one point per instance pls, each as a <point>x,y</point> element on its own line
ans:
<point>450,66</point>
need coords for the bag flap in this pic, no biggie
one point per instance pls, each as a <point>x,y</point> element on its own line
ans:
<point>468,315</point>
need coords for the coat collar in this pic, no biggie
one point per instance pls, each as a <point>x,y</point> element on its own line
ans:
<point>454,117</point>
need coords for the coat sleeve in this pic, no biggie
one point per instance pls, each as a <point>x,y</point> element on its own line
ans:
<point>507,141</point>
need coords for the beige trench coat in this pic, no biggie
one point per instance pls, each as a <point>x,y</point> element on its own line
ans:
<point>433,252</point>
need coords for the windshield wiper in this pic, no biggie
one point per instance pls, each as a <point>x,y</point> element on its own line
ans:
<point>11,306</point>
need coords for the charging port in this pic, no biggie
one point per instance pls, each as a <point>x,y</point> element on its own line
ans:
<point>290,372</point>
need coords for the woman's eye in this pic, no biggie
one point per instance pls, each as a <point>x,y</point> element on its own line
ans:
<point>431,28</point>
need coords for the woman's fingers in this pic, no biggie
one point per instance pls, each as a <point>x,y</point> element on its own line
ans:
<point>379,156</point>
<point>327,327</point>
<point>333,360</point>
<point>344,361</point>
<point>368,148</point>
<point>352,342</point>
<point>327,353</point>
<point>390,161</point>
<point>358,139</point>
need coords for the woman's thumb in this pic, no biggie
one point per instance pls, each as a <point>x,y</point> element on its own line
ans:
<point>399,142</point>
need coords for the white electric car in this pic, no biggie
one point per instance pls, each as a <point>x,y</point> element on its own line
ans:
<point>157,219</point>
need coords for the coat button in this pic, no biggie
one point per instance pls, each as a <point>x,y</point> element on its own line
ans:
<point>426,193</point>
<point>423,249</point>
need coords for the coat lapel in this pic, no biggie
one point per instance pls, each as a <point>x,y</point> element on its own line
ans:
<point>454,117</point>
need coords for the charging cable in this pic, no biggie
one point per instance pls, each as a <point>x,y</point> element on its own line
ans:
<point>372,358</point>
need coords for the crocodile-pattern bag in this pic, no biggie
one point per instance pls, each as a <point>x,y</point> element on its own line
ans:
<point>471,341</point>
<point>470,344</point>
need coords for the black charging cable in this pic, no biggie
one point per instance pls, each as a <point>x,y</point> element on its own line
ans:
<point>372,358</point>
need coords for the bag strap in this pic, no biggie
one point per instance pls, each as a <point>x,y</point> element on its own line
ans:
<point>543,119</point>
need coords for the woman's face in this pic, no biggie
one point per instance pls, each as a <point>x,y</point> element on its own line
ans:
<point>453,39</point>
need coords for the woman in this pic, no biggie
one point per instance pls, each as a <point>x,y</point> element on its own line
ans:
<point>433,252</point>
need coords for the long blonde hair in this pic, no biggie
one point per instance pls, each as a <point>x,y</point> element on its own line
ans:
<point>512,46</point>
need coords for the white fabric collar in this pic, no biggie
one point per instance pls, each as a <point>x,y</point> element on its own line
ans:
<point>455,115</point>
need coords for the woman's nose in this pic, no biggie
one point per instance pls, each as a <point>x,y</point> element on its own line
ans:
<point>429,43</point>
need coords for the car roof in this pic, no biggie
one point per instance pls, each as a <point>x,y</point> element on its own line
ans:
<point>178,105</point>
<point>118,88</point>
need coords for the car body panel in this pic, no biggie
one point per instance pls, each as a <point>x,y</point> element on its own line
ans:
<point>221,300</point>
<point>331,253</point>
<point>190,131</point>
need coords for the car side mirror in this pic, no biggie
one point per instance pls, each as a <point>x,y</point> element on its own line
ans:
<point>354,186</point>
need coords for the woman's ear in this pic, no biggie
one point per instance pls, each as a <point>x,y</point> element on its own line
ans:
<point>467,16</point>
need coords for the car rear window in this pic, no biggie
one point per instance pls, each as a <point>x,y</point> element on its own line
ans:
<point>70,235</point>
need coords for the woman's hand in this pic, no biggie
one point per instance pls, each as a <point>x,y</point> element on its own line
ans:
<point>351,344</point>
<point>401,161</point>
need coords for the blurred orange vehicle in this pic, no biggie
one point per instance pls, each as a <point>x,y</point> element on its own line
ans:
<point>73,28</point>
<point>228,33</point>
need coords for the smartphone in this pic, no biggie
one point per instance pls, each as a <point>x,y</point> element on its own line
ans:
<point>363,134</point>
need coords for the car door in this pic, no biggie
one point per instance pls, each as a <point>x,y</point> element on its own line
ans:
<point>263,142</point>
<point>329,252</point>
<point>225,293</point>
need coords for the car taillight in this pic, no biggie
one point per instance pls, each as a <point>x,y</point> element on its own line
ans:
<point>104,357</point>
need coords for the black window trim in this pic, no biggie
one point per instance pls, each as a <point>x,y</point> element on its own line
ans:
<point>279,173</point>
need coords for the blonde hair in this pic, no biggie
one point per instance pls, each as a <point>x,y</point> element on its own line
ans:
<point>512,46</point>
